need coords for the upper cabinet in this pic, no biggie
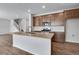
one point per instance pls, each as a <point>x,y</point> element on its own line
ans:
<point>47,18</point>
<point>53,19</point>
<point>36,21</point>
<point>74,13</point>
<point>41,20</point>
<point>59,19</point>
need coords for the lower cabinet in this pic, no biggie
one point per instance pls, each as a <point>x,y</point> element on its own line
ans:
<point>59,37</point>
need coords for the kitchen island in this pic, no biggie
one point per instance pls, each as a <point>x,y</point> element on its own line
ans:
<point>35,43</point>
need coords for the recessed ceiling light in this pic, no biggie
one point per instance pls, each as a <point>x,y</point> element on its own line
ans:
<point>43,6</point>
<point>29,10</point>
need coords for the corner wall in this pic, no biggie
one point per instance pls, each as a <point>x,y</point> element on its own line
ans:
<point>4,26</point>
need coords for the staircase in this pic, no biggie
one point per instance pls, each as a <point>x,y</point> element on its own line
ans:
<point>17,24</point>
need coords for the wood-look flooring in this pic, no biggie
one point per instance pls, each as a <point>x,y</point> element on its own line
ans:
<point>6,47</point>
<point>65,48</point>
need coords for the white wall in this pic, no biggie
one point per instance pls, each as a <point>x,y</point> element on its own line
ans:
<point>72,30</point>
<point>4,26</point>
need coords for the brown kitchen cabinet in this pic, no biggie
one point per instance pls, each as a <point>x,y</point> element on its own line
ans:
<point>33,21</point>
<point>47,18</point>
<point>52,19</point>
<point>41,20</point>
<point>56,19</point>
<point>36,21</point>
<point>59,19</point>
<point>74,13</point>
<point>59,37</point>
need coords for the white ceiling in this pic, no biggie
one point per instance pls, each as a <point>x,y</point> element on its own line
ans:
<point>12,10</point>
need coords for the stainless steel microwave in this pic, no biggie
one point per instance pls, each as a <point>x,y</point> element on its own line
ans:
<point>46,23</point>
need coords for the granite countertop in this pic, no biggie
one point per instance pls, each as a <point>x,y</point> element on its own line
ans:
<point>33,34</point>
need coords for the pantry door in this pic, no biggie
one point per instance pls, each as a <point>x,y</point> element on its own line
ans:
<point>72,30</point>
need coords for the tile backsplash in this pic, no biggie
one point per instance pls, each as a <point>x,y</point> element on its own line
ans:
<point>53,28</point>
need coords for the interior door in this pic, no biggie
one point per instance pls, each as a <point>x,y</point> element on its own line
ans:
<point>72,30</point>
<point>77,31</point>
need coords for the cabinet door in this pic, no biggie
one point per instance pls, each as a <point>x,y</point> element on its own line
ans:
<point>36,21</point>
<point>41,20</point>
<point>59,19</point>
<point>74,13</point>
<point>59,37</point>
<point>47,18</point>
<point>33,21</point>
